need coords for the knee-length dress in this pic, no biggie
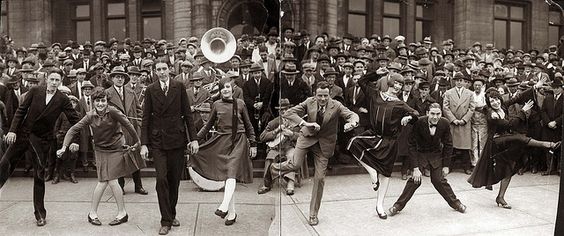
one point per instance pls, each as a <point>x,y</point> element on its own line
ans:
<point>112,160</point>
<point>502,155</point>
<point>377,146</point>
<point>225,155</point>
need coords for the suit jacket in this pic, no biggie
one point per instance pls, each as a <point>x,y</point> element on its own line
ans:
<point>203,100</point>
<point>426,149</point>
<point>552,111</point>
<point>35,117</point>
<point>341,83</point>
<point>360,102</point>
<point>327,135</point>
<point>459,108</point>
<point>129,106</point>
<point>251,90</point>
<point>167,118</point>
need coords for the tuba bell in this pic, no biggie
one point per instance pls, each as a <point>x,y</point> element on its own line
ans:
<point>218,45</point>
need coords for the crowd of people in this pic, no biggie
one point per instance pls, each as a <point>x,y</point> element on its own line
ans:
<point>431,106</point>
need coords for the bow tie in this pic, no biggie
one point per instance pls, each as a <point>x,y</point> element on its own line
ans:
<point>51,91</point>
<point>432,125</point>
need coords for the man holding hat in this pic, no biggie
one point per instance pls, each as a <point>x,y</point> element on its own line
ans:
<point>458,107</point>
<point>280,135</point>
<point>125,100</point>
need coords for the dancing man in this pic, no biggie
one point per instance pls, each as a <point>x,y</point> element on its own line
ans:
<point>430,147</point>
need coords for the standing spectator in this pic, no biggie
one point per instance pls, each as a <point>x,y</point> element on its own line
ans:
<point>458,106</point>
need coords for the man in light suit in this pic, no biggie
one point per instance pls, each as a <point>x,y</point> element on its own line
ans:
<point>167,128</point>
<point>124,99</point>
<point>430,145</point>
<point>458,108</point>
<point>318,135</point>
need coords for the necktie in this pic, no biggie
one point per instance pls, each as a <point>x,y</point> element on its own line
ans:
<point>355,93</point>
<point>320,112</point>
<point>86,64</point>
<point>165,89</point>
<point>87,103</point>
<point>120,91</point>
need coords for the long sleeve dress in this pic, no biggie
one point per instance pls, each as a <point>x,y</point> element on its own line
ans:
<point>377,146</point>
<point>226,155</point>
<point>112,160</point>
<point>503,150</point>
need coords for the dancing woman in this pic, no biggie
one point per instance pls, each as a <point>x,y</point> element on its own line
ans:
<point>503,149</point>
<point>112,157</point>
<point>376,148</point>
<point>225,157</point>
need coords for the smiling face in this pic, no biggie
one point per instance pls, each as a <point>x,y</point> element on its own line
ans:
<point>495,103</point>
<point>227,91</point>
<point>101,104</point>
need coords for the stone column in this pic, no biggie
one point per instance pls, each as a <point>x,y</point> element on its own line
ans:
<point>30,22</point>
<point>201,17</point>
<point>378,18</point>
<point>134,20</point>
<point>98,19</point>
<point>331,18</point>
<point>311,13</point>
<point>182,19</point>
<point>538,36</point>
<point>408,23</point>
<point>473,21</point>
<point>168,19</point>
<point>442,21</point>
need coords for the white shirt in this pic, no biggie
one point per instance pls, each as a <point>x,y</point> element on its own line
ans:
<point>346,80</point>
<point>165,84</point>
<point>88,103</point>
<point>120,91</point>
<point>48,97</point>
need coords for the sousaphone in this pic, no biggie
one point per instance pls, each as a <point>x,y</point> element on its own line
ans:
<point>218,45</point>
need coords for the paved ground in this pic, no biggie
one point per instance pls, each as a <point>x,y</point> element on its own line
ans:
<point>347,209</point>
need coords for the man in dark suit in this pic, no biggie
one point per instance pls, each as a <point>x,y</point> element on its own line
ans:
<point>125,100</point>
<point>318,135</point>
<point>430,144</point>
<point>167,128</point>
<point>345,81</point>
<point>199,99</point>
<point>256,93</point>
<point>551,115</point>
<point>33,125</point>
<point>289,87</point>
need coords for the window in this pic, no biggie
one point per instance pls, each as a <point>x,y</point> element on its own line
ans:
<point>357,17</point>
<point>392,18</point>
<point>509,26</point>
<point>116,20</point>
<point>81,19</point>
<point>152,19</point>
<point>554,25</point>
<point>423,21</point>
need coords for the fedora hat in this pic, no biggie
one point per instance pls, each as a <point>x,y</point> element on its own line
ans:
<point>330,71</point>
<point>133,70</point>
<point>291,71</point>
<point>197,76</point>
<point>87,84</point>
<point>512,82</point>
<point>459,75</point>
<point>256,67</point>
<point>284,104</point>
<point>119,70</point>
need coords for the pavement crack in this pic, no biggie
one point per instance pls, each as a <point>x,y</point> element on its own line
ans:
<point>196,221</point>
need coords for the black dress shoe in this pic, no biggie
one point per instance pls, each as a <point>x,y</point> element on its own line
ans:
<point>117,221</point>
<point>313,221</point>
<point>221,213</point>
<point>376,186</point>
<point>164,230</point>
<point>141,191</point>
<point>94,221</point>
<point>382,216</point>
<point>460,208</point>
<point>263,190</point>
<point>73,179</point>
<point>41,222</point>
<point>467,171</point>
<point>55,180</point>
<point>230,222</point>
<point>175,223</point>
<point>394,210</point>
<point>289,192</point>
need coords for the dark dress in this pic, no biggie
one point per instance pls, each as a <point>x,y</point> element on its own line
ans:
<point>112,160</point>
<point>377,146</point>
<point>224,156</point>
<point>502,155</point>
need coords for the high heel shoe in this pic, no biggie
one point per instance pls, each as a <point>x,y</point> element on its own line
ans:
<point>94,221</point>
<point>221,213</point>
<point>376,185</point>
<point>230,222</point>
<point>381,216</point>
<point>501,203</point>
<point>117,221</point>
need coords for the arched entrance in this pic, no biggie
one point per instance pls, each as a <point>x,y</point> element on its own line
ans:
<point>248,16</point>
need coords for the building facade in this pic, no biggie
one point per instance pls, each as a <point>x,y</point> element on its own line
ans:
<point>31,21</point>
<point>517,24</point>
